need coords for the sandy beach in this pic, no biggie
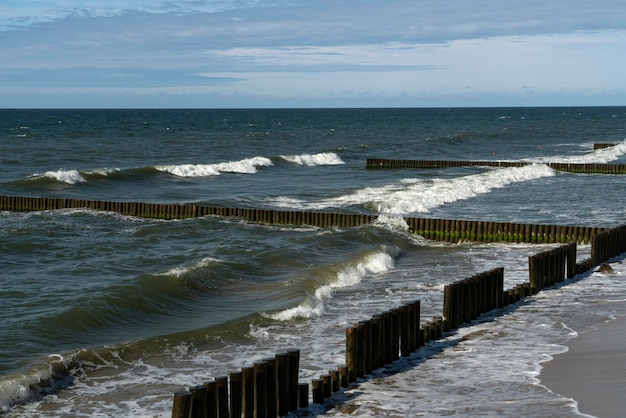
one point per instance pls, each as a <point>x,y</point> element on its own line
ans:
<point>593,371</point>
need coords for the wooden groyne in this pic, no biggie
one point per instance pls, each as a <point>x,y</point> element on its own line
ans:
<point>449,230</point>
<point>601,146</point>
<point>270,390</point>
<point>452,230</point>
<point>592,168</point>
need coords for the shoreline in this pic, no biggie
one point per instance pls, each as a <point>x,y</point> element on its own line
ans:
<point>592,371</point>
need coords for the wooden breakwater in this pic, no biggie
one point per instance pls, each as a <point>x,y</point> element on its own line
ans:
<point>449,230</point>
<point>594,168</point>
<point>269,390</point>
<point>601,146</point>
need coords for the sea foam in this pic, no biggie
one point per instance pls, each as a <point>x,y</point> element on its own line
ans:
<point>598,156</point>
<point>322,158</point>
<point>245,166</point>
<point>65,176</point>
<point>415,195</point>
<point>347,275</point>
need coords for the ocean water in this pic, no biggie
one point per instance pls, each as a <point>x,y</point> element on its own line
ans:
<point>115,313</point>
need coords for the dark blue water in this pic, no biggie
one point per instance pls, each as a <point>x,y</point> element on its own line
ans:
<point>136,308</point>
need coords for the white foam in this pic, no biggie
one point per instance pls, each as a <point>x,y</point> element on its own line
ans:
<point>415,195</point>
<point>322,158</point>
<point>181,270</point>
<point>65,176</point>
<point>245,166</point>
<point>602,155</point>
<point>103,171</point>
<point>347,275</point>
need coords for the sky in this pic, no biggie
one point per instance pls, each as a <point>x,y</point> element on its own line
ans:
<point>311,53</point>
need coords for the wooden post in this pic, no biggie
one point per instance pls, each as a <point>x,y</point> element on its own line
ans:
<point>236,387</point>
<point>448,303</point>
<point>248,391</point>
<point>351,353</point>
<point>303,395</point>
<point>182,404</point>
<point>282,376</point>
<point>211,399</point>
<point>376,327</point>
<point>395,315</point>
<point>294,368</point>
<point>318,391</point>
<point>222,396</point>
<point>360,349</point>
<point>335,380</point>
<point>343,374</point>
<point>260,389</point>
<point>327,385</point>
<point>198,401</point>
<point>533,274</point>
<point>272,387</point>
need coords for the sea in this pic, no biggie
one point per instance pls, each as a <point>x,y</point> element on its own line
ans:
<point>108,315</point>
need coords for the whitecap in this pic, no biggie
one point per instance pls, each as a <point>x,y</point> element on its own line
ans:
<point>418,196</point>
<point>245,166</point>
<point>311,160</point>
<point>65,176</point>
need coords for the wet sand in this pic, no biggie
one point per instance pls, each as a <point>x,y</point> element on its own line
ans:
<point>593,371</point>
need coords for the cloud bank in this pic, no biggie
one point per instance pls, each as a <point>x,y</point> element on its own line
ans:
<point>311,53</point>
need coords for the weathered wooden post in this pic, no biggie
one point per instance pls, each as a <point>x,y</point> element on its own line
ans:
<point>448,306</point>
<point>211,399</point>
<point>182,404</point>
<point>222,396</point>
<point>260,389</point>
<point>303,395</point>
<point>236,386</point>
<point>351,353</point>
<point>405,331</point>
<point>272,389</point>
<point>294,368</point>
<point>388,336</point>
<point>198,401</point>
<point>327,385</point>
<point>248,392</point>
<point>343,374</point>
<point>361,330</point>
<point>334,380</point>
<point>533,273</point>
<point>318,391</point>
<point>282,375</point>
<point>376,328</point>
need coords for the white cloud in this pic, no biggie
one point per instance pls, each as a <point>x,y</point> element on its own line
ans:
<point>309,49</point>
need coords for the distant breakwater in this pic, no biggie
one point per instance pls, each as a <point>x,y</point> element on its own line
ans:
<point>591,168</point>
<point>448,230</point>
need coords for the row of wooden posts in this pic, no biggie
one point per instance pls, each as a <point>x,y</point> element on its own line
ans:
<point>269,388</point>
<point>598,168</point>
<point>386,337</point>
<point>451,230</point>
<point>448,230</point>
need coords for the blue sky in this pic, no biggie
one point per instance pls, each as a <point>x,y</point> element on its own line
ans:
<point>311,53</point>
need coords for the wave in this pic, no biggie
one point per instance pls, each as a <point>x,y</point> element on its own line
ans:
<point>418,196</point>
<point>344,276</point>
<point>322,158</point>
<point>598,156</point>
<point>245,166</point>
<point>181,271</point>
<point>72,176</point>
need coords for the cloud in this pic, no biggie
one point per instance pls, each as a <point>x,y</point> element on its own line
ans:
<point>311,50</point>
